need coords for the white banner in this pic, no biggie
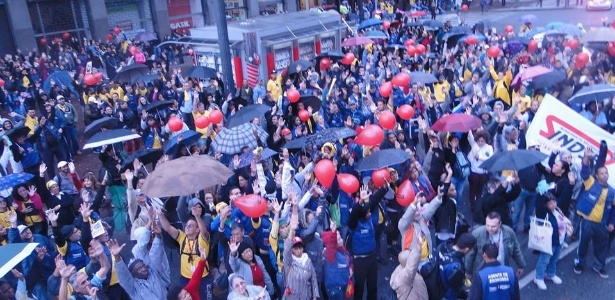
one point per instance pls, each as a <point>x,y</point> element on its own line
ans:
<point>557,123</point>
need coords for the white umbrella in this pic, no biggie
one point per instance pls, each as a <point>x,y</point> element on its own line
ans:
<point>13,254</point>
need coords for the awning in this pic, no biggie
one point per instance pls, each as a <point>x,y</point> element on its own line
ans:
<point>190,41</point>
<point>269,41</point>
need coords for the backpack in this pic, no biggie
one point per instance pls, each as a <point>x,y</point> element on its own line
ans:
<point>430,271</point>
<point>461,168</point>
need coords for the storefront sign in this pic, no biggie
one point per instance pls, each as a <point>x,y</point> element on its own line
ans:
<point>557,124</point>
<point>306,50</point>
<point>327,44</point>
<point>282,58</point>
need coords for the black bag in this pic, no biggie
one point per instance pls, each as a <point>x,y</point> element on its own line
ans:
<point>430,271</point>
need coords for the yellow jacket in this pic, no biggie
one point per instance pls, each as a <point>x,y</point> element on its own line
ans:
<point>501,87</point>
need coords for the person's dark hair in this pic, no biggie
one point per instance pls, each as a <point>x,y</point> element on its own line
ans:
<point>236,225</point>
<point>494,215</point>
<point>493,183</point>
<point>491,250</point>
<point>466,240</point>
<point>173,293</point>
<point>15,192</point>
<point>484,135</point>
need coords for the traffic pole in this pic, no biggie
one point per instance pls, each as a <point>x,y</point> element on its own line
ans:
<point>225,49</point>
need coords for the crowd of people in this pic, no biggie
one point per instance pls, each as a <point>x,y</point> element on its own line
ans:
<point>315,240</point>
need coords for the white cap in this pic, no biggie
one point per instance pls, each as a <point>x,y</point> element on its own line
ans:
<point>21,228</point>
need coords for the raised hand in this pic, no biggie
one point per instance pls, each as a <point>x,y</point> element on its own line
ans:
<point>31,191</point>
<point>276,206</point>
<point>137,164</point>
<point>71,167</point>
<point>92,292</point>
<point>129,175</point>
<point>52,216</point>
<point>197,211</point>
<point>255,187</point>
<point>449,169</point>
<point>233,245</point>
<point>42,168</point>
<point>441,191</point>
<point>12,216</point>
<point>203,253</point>
<point>236,161</point>
<point>17,274</point>
<point>66,271</point>
<point>365,192</point>
<point>115,248</point>
<point>85,210</point>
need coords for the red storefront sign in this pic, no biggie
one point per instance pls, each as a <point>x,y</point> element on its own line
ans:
<point>179,11</point>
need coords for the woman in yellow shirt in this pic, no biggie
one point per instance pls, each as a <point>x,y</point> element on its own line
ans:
<point>29,207</point>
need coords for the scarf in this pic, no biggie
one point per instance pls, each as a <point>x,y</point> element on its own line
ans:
<point>302,261</point>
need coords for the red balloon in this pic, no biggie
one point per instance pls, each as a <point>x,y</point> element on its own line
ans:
<point>66,36</point>
<point>402,79</point>
<point>43,41</point>
<point>387,120</point>
<point>175,124</point>
<point>464,7</point>
<point>409,42</point>
<point>89,79</point>
<point>509,28</point>
<point>293,95</point>
<point>2,82</point>
<point>190,52</point>
<point>610,48</point>
<point>98,76</point>
<point>132,50</point>
<point>411,50</point>
<point>420,48</point>
<point>386,24</point>
<point>380,177</point>
<point>532,46</point>
<point>573,44</point>
<point>406,112</point>
<point>348,58</point>
<point>493,51</point>
<point>109,37</point>
<point>348,183</point>
<point>325,63</point>
<point>253,206</point>
<point>471,40</point>
<point>385,89</point>
<point>325,172</point>
<point>57,40</point>
<point>581,59</point>
<point>117,30</point>
<point>371,135</point>
<point>405,193</point>
<point>304,115</point>
<point>201,122</point>
<point>359,129</point>
<point>215,116</point>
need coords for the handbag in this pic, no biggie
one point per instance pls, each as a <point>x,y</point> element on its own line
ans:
<point>541,232</point>
<point>567,222</point>
<point>349,289</point>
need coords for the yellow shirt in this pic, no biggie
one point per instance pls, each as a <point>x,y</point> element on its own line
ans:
<point>119,91</point>
<point>25,82</point>
<point>202,131</point>
<point>437,91</point>
<point>524,103</point>
<point>501,87</point>
<point>142,91</point>
<point>274,87</point>
<point>424,250</point>
<point>30,220</point>
<point>157,143</point>
<point>4,219</point>
<point>596,214</point>
<point>31,123</point>
<point>189,257</point>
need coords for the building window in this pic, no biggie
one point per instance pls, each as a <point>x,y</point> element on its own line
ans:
<point>130,16</point>
<point>236,10</point>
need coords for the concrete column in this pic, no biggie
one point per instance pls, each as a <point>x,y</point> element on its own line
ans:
<point>290,5</point>
<point>161,17</point>
<point>99,21</point>
<point>253,8</point>
<point>21,23</point>
<point>209,9</point>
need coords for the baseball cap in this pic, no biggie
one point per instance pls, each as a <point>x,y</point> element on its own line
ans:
<point>50,184</point>
<point>285,131</point>
<point>298,241</point>
<point>59,97</point>
<point>21,228</point>
<point>61,164</point>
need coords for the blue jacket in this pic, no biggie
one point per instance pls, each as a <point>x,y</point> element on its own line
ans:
<point>337,272</point>
<point>495,282</point>
<point>590,196</point>
<point>46,266</point>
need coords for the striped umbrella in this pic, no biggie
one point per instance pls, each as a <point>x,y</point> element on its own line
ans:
<point>232,140</point>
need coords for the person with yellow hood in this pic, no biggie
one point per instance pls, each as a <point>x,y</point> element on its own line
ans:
<point>502,80</point>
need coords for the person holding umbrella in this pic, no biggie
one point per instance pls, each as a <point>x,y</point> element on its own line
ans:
<point>24,148</point>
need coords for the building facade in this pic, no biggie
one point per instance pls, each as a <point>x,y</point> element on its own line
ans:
<point>25,24</point>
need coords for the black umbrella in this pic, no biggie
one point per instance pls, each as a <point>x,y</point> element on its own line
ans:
<point>150,63</point>
<point>239,101</point>
<point>18,131</point>
<point>457,30</point>
<point>145,156</point>
<point>188,138</point>
<point>513,160</point>
<point>548,80</point>
<point>130,73</point>
<point>304,64</point>
<point>158,105</point>
<point>95,127</point>
<point>145,36</point>
<point>146,78</point>
<point>382,159</point>
<point>109,137</point>
<point>202,72</point>
<point>311,101</point>
<point>333,55</point>
<point>246,158</point>
<point>591,93</point>
<point>247,114</point>
<point>321,137</point>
